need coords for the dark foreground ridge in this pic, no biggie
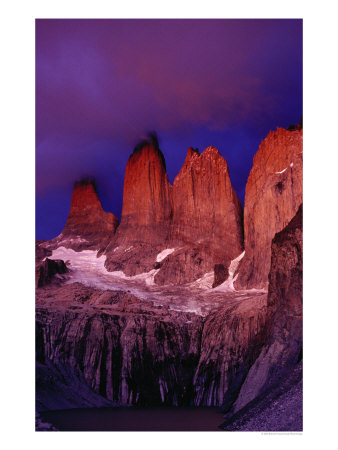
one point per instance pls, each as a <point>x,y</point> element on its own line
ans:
<point>280,408</point>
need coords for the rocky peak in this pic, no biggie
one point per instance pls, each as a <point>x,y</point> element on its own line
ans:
<point>146,195</point>
<point>192,153</point>
<point>205,204</point>
<point>85,196</point>
<point>272,196</point>
<point>146,212</point>
<point>211,151</point>
<point>209,157</point>
<point>88,226</point>
<point>207,219</point>
<point>200,216</point>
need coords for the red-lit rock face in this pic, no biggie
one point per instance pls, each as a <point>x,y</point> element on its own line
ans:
<point>200,217</point>
<point>206,207</point>
<point>88,226</point>
<point>272,197</point>
<point>146,213</point>
<point>207,219</point>
<point>146,195</point>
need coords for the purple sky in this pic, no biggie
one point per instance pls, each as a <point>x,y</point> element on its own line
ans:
<point>102,85</point>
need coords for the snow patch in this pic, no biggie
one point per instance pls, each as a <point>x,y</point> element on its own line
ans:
<point>76,240</point>
<point>282,170</point>
<point>147,277</point>
<point>90,270</point>
<point>204,282</point>
<point>164,253</point>
<point>228,284</point>
<point>291,165</point>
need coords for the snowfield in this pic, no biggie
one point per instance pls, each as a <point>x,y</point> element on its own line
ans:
<point>197,297</point>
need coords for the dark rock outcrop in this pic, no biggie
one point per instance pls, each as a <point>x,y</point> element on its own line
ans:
<point>128,351</point>
<point>231,341</point>
<point>48,270</point>
<point>131,354</point>
<point>279,408</point>
<point>58,388</point>
<point>221,274</point>
<point>272,197</point>
<point>283,344</point>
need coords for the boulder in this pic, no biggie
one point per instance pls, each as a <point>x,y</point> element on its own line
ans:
<point>48,269</point>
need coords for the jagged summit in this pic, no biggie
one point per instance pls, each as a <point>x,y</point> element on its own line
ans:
<point>207,219</point>
<point>88,226</point>
<point>148,144</point>
<point>146,197</point>
<point>191,153</point>
<point>211,150</point>
<point>84,195</point>
<point>200,216</point>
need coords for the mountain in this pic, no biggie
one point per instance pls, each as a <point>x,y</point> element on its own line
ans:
<point>130,351</point>
<point>180,231</point>
<point>206,227</point>
<point>88,226</point>
<point>273,194</point>
<point>137,322</point>
<point>205,205</point>
<point>146,212</point>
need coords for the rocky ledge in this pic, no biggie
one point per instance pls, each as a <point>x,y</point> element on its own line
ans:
<point>129,351</point>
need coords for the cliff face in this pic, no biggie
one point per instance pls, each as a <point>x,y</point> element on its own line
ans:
<point>207,219</point>
<point>206,208</point>
<point>231,340</point>
<point>283,348</point>
<point>146,196</point>
<point>128,351</point>
<point>199,218</point>
<point>146,212</point>
<point>125,351</point>
<point>48,270</point>
<point>88,226</point>
<point>272,197</point>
